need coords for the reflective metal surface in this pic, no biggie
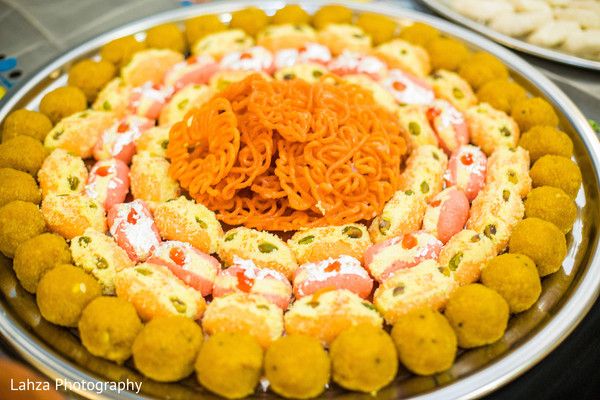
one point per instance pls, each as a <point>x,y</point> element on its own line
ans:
<point>567,295</point>
<point>442,8</point>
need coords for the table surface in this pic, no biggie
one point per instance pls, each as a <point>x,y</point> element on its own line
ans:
<point>32,32</point>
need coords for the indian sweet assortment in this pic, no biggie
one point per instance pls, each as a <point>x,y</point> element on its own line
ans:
<point>294,199</point>
<point>570,26</point>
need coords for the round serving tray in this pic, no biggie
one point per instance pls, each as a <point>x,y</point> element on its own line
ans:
<point>442,8</point>
<point>567,295</point>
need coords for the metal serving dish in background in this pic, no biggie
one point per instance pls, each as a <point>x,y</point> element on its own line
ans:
<point>442,8</point>
<point>566,298</point>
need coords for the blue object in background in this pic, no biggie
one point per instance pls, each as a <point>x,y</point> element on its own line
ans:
<point>185,3</point>
<point>8,71</point>
<point>7,64</point>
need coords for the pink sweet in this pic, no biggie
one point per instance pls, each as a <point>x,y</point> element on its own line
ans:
<point>134,230</point>
<point>108,182</point>
<point>195,70</point>
<point>245,276</point>
<point>149,99</point>
<point>400,252</point>
<point>118,141</point>
<point>256,59</point>
<point>407,88</point>
<point>309,53</point>
<point>343,272</point>
<point>466,170</point>
<point>449,125</point>
<point>192,266</point>
<point>447,213</point>
<point>350,62</point>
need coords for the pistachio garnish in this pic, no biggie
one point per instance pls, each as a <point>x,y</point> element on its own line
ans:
<point>84,241</point>
<point>490,230</point>
<point>101,262</point>
<point>398,290</point>
<point>384,225</point>
<point>179,305</point>
<point>73,182</point>
<point>201,223</point>
<point>266,247</point>
<point>414,128</point>
<point>306,239</point>
<point>352,232</point>
<point>455,261</point>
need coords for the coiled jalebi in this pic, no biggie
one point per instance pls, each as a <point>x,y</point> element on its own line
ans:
<point>282,155</point>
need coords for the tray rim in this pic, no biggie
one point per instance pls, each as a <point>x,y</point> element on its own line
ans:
<point>441,8</point>
<point>498,372</point>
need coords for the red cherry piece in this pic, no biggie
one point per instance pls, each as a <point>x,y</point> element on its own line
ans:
<point>132,217</point>
<point>123,127</point>
<point>399,86</point>
<point>333,267</point>
<point>409,241</point>
<point>433,113</point>
<point>103,171</point>
<point>244,283</point>
<point>467,159</point>
<point>177,255</point>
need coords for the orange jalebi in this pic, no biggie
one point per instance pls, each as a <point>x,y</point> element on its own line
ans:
<point>282,155</point>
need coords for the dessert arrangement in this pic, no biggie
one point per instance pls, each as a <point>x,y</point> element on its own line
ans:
<point>569,26</point>
<point>286,202</point>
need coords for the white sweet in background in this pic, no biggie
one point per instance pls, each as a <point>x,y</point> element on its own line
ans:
<point>482,10</point>
<point>520,24</point>
<point>554,33</point>
<point>559,3</point>
<point>572,26</point>
<point>532,5</point>
<point>591,5</point>
<point>585,43</point>
<point>584,17</point>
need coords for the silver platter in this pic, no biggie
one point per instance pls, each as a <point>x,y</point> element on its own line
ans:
<point>566,298</point>
<point>441,7</point>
